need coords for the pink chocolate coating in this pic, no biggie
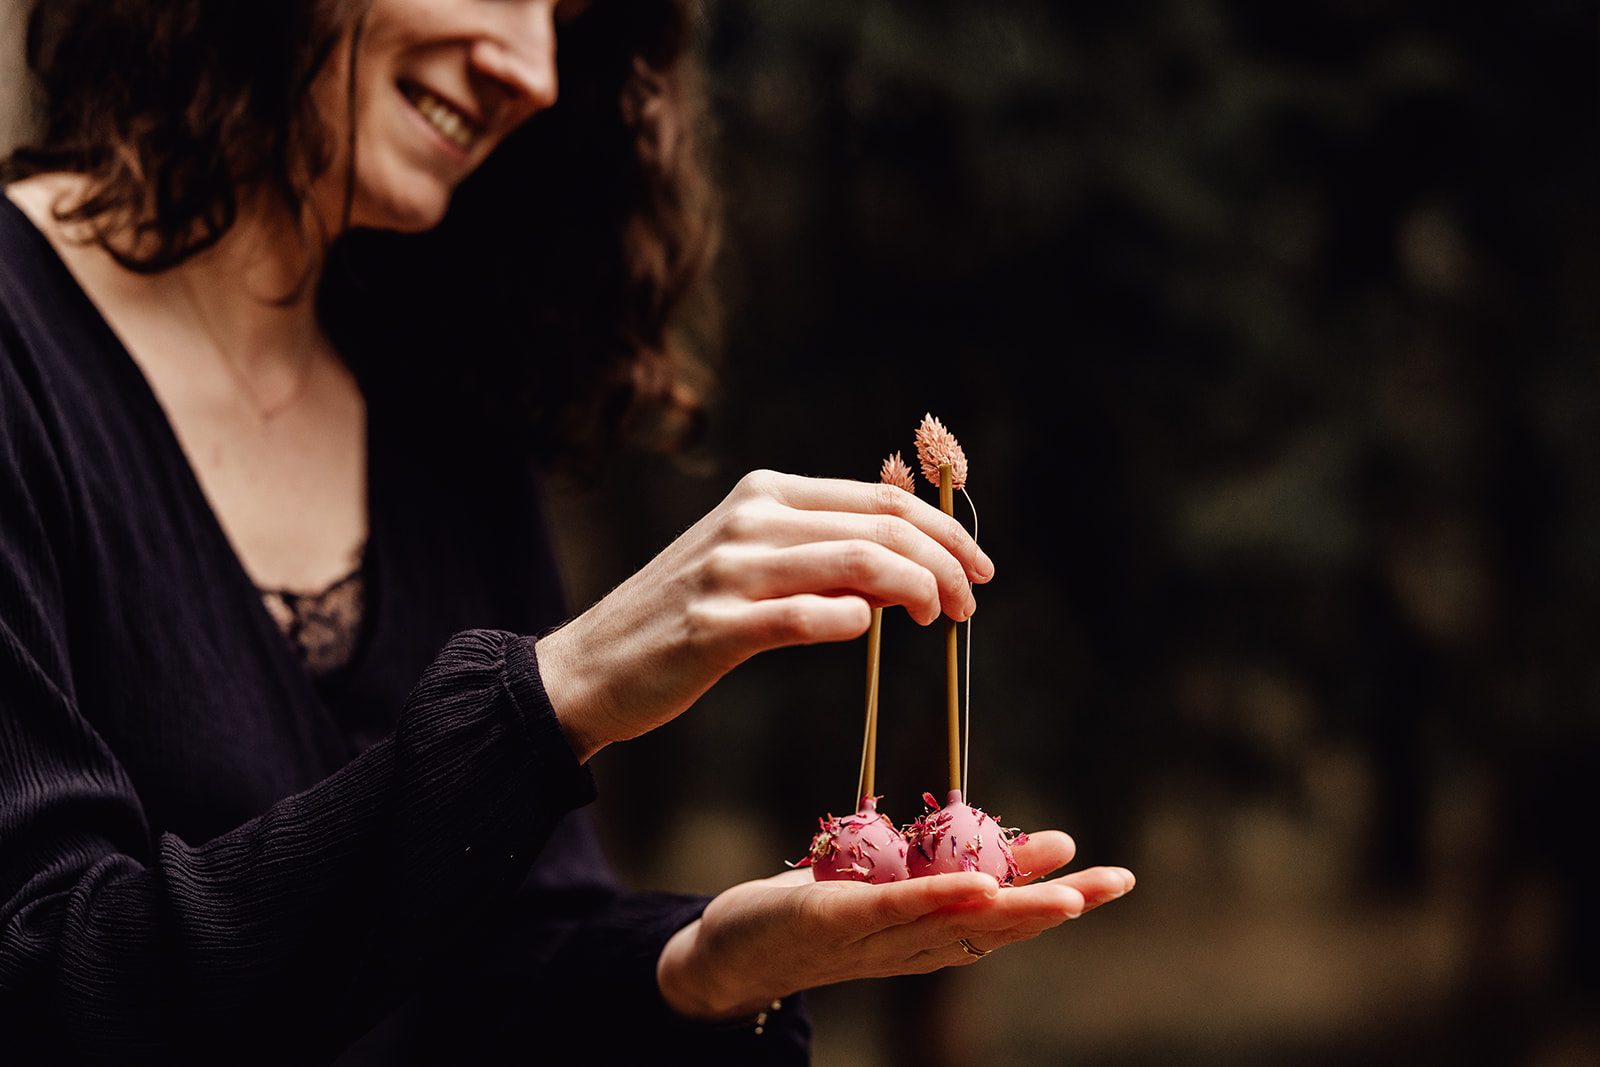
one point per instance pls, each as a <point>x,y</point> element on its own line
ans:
<point>864,847</point>
<point>959,837</point>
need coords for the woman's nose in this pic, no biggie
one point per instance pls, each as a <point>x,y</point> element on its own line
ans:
<point>521,54</point>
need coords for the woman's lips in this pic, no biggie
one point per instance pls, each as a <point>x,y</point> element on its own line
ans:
<point>451,123</point>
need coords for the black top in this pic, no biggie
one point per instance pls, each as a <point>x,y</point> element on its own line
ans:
<point>207,856</point>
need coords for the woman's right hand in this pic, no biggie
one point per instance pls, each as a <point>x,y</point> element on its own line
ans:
<point>783,560</point>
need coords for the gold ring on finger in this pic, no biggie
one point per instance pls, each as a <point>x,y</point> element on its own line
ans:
<point>971,950</point>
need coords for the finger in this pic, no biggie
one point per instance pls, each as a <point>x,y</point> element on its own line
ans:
<point>782,526</point>
<point>932,941</point>
<point>1034,908</point>
<point>798,876</point>
<point>1012,915</point>
<point>1099,885</point>
<point>868,498</point>
<point>748,627</point>
<point>984,942</point>
<point>954,954</point>
<point>864,568</point>
<point>1022,912</point>
<point>1030,911</point>
<point>1041,853</point>
<point>879,907</point>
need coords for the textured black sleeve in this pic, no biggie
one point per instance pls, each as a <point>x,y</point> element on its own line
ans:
<point>575,966</point>
<point>610,969</point>
<point>285,937</point>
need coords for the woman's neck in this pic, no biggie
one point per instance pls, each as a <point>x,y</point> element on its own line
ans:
<point>253,293</point>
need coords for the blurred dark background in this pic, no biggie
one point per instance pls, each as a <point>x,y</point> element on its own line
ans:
<point>1270,330</point>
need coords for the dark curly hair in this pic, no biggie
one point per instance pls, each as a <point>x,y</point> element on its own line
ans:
<point>565,259</point>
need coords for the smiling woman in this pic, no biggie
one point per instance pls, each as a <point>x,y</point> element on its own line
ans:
<point>292,732</point>
<point>261,103</point>
<point>438,87</point>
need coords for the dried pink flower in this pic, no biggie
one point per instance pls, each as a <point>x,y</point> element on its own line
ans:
<point>937,445</point>
<point>896,473</point>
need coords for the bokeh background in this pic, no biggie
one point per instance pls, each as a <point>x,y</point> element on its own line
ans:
<point>1271,331</point>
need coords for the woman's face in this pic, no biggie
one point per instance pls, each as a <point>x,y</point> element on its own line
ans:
<point>439,83</point>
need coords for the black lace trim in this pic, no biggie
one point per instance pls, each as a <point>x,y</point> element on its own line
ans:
<point>322,627</point>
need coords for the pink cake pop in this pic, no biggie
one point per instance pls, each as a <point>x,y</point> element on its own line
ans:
<point>864,847</point>
<point>960,837</point>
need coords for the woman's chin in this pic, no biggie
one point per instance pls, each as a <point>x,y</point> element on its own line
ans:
<point>418,206</point>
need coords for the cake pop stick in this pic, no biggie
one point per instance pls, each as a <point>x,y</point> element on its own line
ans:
<point>944,464</point>
<point>966,676</point>
<point>866,846</point>
<point>952,666</point>
<point>869,744</point>
<point>957,836</point>
<point>893,472</point>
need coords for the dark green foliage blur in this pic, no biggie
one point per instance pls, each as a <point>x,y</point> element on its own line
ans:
<point>1271,333</point>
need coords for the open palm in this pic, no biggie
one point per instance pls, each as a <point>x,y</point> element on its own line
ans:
<point>767,938</point>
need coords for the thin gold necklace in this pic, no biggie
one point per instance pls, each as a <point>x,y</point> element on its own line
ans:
<point>266,412</point>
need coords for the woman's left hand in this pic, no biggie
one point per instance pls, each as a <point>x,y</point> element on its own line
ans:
<point>763,940</point>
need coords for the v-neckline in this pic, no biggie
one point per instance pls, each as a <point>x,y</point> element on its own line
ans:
<point>123,362</point>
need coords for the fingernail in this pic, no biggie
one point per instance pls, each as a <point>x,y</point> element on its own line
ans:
<point>985,565</point>
<point>1128,880</point>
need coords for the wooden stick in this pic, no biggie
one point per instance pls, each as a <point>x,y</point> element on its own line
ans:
<point>947,504</point>
<point>869,747</point>
<point>966,677</point>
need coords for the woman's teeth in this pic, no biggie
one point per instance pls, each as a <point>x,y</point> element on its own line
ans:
<point>452,124</point>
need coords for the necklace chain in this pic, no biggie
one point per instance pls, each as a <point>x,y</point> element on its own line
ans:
<point>266,412</point>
